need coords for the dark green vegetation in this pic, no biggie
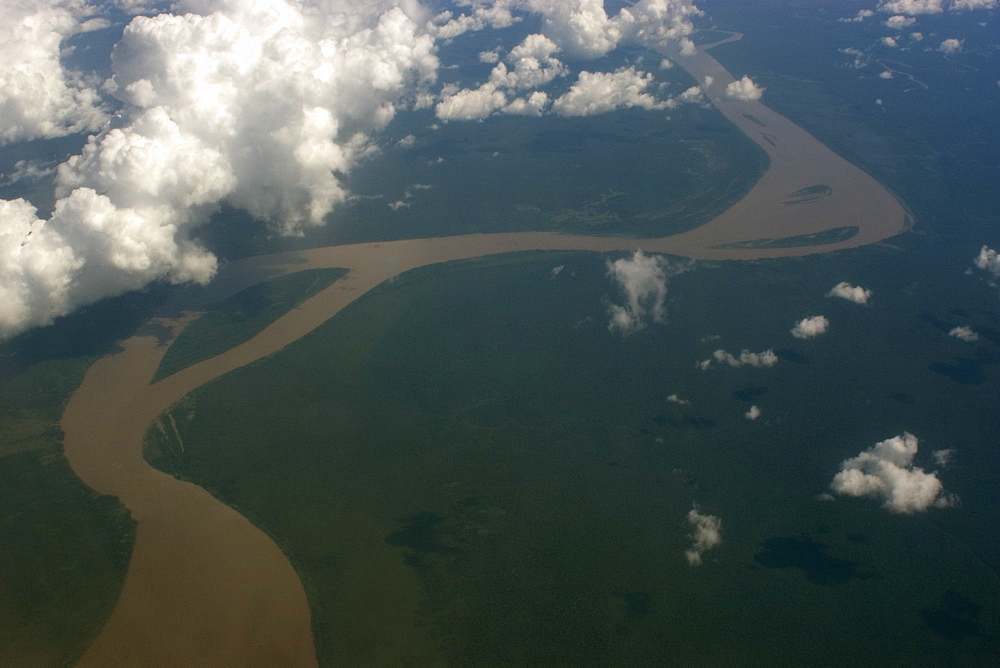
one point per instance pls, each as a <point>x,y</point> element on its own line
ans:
<point>237,319</point>
<point>64,548</point>
<point>632,173</point>
<point>64,557</point>
<point>830,236</point>
<point>467,465</point>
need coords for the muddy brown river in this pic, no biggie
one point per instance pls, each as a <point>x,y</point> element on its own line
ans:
<point>205,586</point>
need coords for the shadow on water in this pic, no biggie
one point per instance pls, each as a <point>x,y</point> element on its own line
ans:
<point>809,557</point>
<point>749,393</point>
<point>935,322</point>
<point>902,397</point>
<point>635,603</point>
<point>955,617</point>
<point>686,422</point>
<point>965,370</point>
<point>792,356</point>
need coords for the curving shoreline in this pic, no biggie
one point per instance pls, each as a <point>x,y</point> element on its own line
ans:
<point>204,585</point>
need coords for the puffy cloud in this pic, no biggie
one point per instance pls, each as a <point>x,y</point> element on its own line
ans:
<point>959,5</point>
<point>28,169</point>
<point>860,57</point>
<point>692,95</point>
<point>409,141</point>
<point>885,471</point>
<point>745,358</point>
<point>911,7</point>
<point>532,64</point>
<point>859,17</point>
<point>258,104</point>
<point>943,457</point>
<point>899,22</point>
<point>471,103</point>
<point>584,29</point>
<point>950,46</point>
<point>988,260</point>
<point>964,334</point>
<point>810,327</point>
<point>484,14</point>
<point>643,282</point>
<point>137,6</point>
<point>38,96</point>
<point>263,105</point>
<point>600,92</point>
<point>915,7</point>
<point>854,293</point>
<point>753,413</point>
<point>744,89</point>
<point>706,533</point>
<point>580,27</point>
<point>532,105</point>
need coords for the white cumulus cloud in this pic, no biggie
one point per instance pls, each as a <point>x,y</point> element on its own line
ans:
<point>261,105</point>
<point>943,457</point>
<point>950,46</point>
<point>471,103</point>
<point>915,7</point>
<point>964,334</point>
<point>530,64</point>
<point>706,533</point>
<point>38,96</point>
<point>744,89</point>
<point>859,17</point>
<point>885,471</point>
<point>899,22</point>
<point>809,327</point>
<point>601,92</point>
<point>643,281</point>
<point>584,29</point>
<point>854,293</point>
<point>959,5</point>
<point>447,25</point>
<point>988,260</point>
<point>911,7</point>
<point>745,358</point>
<point>534,64</point>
